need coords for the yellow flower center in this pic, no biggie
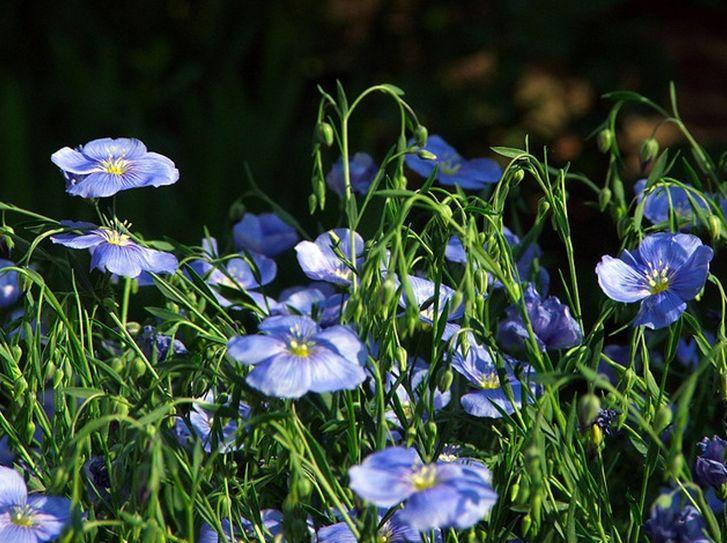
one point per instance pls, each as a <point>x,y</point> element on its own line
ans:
<point>114,237</point>
<point>343,273</point>
<point>658,279</point>
<point>490,381</point>
<point>115,166</point>
<point>22,516</point>
<point>425,478</point>
<point>300,348</point>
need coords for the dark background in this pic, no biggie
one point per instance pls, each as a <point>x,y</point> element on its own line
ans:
<point>218,85</point>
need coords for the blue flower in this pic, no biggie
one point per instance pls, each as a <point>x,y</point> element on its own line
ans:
<point>362,172</point>
<point>552,323</point>
<point>687,353</point>
<point>710,468</point>
<point>97,478</point>
<point>318,300</point>
<point>204,423</point>
<point>437,495</point>
<point>392,530</point>
<point>452,169</point>
<point>272,524</point>
<point>266,234</point>
<point>115,252</point>
<point>9,285</point>
<point>6,454</point>
<point>320,262</point>
<point>29,519</point>
<point>490,400</point>
<point>294,356</point>
<point>236,274</point>
<point>664,273</point>
<point>106,166</point>
<point>424,290</point>
<point>663,198</point>
<point>671,523</point>
<point>150,340</point>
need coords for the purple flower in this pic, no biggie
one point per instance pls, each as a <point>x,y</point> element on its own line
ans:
<point>115,252</point>
<point>361,169</point>
<point>490,399</point>
<point>662,199</point>
<point>205,423</point>
<point>9,285</point>
<point>552,323</point>
<point>29,519</point>
<point>436,495</point>
<point>97,477</point>
<point>664,273</point>
<point>266,234</point>
<point>236,274</point>
<point>452,169</point>
<point>320,262</point>
<point>671,523</point>
<point>6,454</point>
<point>424,291</point>
<point>393,530</point>
<point>293,355</point>
<point>106,166</point>
<point>318,300</point>
<point>150,340</point>
<point>710,468</point>
<point>272,524</point>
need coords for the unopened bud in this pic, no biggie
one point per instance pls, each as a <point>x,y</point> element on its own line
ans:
<point>518,174</point>
<point>312,203</point>
<point>604,198</point>
<point>588,408</point>
<point>445,381</point>
<point>604,140</point>
<point>402,358</point>
<point>662,419</point>
<point>543,207</point>
<point>324,134</point>
<point>420,135</point>
<point>649,150</point>
<point>426,155</point>
<point>715,226</point>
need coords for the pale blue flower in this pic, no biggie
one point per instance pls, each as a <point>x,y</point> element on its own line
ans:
<point>266,234</point>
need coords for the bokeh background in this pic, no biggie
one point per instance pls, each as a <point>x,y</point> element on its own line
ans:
<point>218,86</point>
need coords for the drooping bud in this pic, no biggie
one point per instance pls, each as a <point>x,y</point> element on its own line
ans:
<point>420,135</point>
<point>649,150</point>
<point>662,419</point>
<point>518,174</point>
<point>324,134</point>
<point>604,198</point>
<point>604,140</point>
<point>588,408</point>
<point>445,381</point>
<point>426,155</point>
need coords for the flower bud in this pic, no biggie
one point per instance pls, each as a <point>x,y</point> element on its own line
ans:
<point>604,140</point>
<point>518,174</point>
<point>400,182</point>
<point>649,150</point>
<point>401,358</point>
<point>604,198</point>
<point>676,463</point>
<point>133,328</point>
<point>543,207</point>
<point>138,367</point>
<point>312,203</point>
<point>426,155</point>
<point>445,381</point>
<point>324,134</point>
<point>420,135</point>
<point>588,408</point>
<point>662,419</point>
<point>715,226</point>
<point>237,210</point>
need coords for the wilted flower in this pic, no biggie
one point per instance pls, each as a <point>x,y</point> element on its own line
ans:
<point>424,291</point>
<point>490,399</point>
<point>293,355</point>
<point>710,468</point>
<point>106,166</point>
<point>551,320</point>
<point>202,418</point>
<point>663,199</point>
<point>150,340</point>
<point>361,170</point>
<point>9,285</point>
<point>29,519</point>
<point>318,300</point>
<point>664,273</point>
<point>452,169</point>
<point>392,530</point>
<point>319,260</point>
<point>115,252</point>
<point>272,524</point>
<point>436,495</point>
<point>266,234</point>
<point>671,523</point>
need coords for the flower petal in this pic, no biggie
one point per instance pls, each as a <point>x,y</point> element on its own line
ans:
<point>77,241</point>
<point>121,260</point>
<point>282,376</point>
<point>689,279</point>
<point>52,515</point>
<point>70,160</point>
<point>621,282</point>
<point>345,342</point>
<point>660,310</point>
<point>12,488</point>
<point>330,372</point>
<point>254,349</point>
<point>432,508</point>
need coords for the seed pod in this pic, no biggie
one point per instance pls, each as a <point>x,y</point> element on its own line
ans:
<point>324,134</point>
